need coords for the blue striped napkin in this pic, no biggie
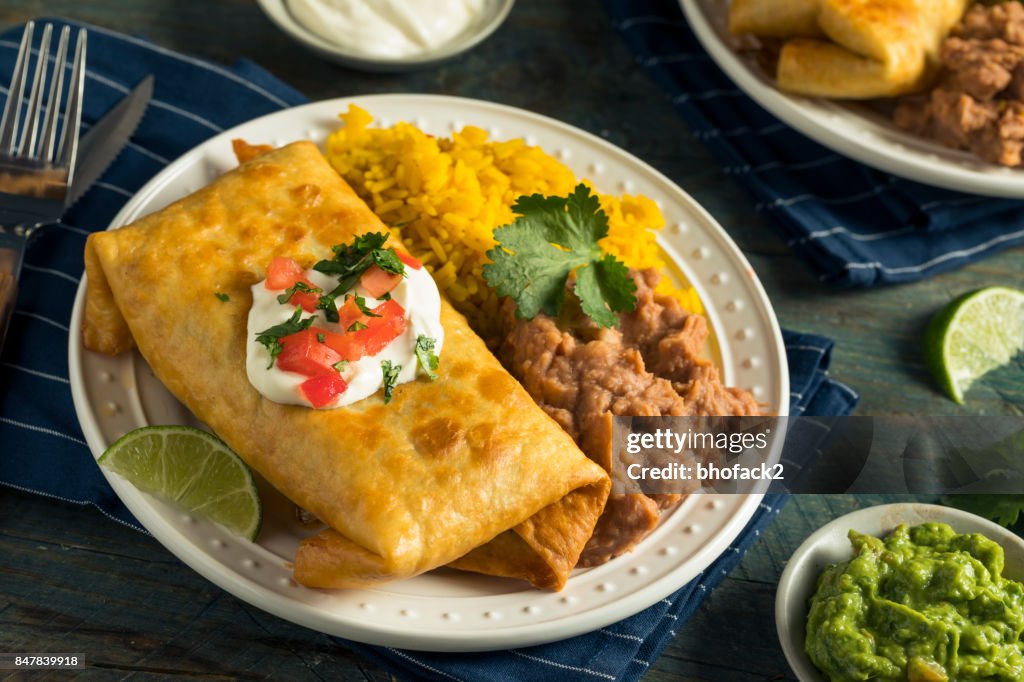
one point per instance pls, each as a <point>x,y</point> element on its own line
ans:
<point>853,225</point>
<point>42,449</point>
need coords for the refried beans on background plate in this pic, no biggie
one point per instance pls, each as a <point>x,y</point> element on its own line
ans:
<point>582,375</point>
<point>978,103</point>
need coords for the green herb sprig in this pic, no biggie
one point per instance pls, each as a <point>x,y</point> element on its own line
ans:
<point>390,372</point>
<point>363,308</point>
<point>551,238</point>
<point>349,263</point>
<point>271,338</point>
<point>426,357</point>
<point>298,287</point>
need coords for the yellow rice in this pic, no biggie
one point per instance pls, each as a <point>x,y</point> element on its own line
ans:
<point>445,196</point>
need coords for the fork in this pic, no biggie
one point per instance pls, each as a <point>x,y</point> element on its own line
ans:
<point>36,164</point>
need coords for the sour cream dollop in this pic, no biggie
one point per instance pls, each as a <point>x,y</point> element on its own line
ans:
<point>417,293</point>
<point>387,28</point>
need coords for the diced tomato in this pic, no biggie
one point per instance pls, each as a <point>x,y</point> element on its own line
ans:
<point>350,313</point>
<point>304,353</point>
<point>323,388</point>
<point>347,346</point>
<point>378,282</point>
<point>305,299</point>
<point>379,332</point>
<point>283,273</point>
<point>388,309</point>
<point>413,263</point>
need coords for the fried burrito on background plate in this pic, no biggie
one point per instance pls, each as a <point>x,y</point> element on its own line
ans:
<point>857,49</point>
<point>431,477</point>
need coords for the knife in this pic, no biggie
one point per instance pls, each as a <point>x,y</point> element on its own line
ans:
<point>107,137</point>
<point>96,149</point>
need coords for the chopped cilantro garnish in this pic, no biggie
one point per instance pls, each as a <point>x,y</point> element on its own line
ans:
<point>350,261</point>
<point>365,243</point>
<point>363,308</point>
<point>425,355</point>
<point>390,372</point>
<point>321,338</point>
<point>222,297</point>
<point>356,326</point>
<point>271,338</point>
<point>551,238</point>
<point>386,296</point>
<point>340,365</point>
<point>297,287</point>
<point>388,261</point>
<point>326,304</point>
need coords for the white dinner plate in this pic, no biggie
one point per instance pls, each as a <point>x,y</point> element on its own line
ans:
<point>850,128</point>
<point>448,610</point>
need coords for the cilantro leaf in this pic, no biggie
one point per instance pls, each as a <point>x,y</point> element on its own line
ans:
<point>365,243</point>
<point>1003,468</point>
<point>298,287</point>
<point>326,303</point>
<point>347,256</point>
<point>1005,510</point>
<point>356,326</point>
<point>271,337</point>
<point>426,357</point>
<point>390,372</point>
<point>551,238</point>
<point>599,291</point>
<point>222,297</point>
<point>349,263</point>
<point>363,308</point>
<point>388,261</point>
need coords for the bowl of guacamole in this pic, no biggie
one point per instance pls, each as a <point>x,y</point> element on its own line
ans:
<point>905,592</point>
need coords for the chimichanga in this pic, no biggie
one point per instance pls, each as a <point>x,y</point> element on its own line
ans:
<point>776,18</point>
<point>869,48</point>
<point>444,468</point>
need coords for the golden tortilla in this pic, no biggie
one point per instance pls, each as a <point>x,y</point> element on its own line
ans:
<point>444,468</point>
<point>868,48</point>
<point>777,18</point>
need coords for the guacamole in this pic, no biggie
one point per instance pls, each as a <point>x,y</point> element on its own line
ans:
<point>923,605</point>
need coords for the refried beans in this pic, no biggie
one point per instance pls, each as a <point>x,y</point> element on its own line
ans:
<point>582,375</point>
<point>978,104</point>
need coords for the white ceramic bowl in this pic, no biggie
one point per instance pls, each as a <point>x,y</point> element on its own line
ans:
<point>491,17</point>
<point>830,545</point>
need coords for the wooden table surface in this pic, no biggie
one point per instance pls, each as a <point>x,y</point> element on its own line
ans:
<point>71,580</point>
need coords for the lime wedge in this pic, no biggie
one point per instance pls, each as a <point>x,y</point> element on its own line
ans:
<point>192,468</point>
<point>972,335</point>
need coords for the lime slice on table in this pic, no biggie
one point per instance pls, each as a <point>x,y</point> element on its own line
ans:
<point>973,334</point>
<point>192,468</point>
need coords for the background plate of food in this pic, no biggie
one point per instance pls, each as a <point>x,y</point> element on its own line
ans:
<point>918,89</point>
<point>447,609</point>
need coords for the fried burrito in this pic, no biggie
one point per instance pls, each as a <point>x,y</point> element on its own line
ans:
<point>867,48</point>
<point>465,467</point>
<point>775,18</point>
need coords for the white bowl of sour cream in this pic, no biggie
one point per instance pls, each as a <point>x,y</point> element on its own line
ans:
<point>387,35</point>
